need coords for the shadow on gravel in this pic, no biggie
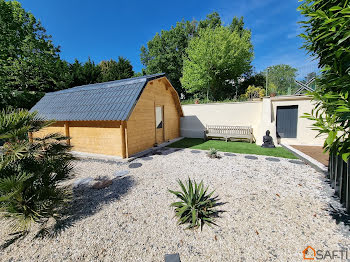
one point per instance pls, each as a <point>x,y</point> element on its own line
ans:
<point>218,212</point>
<point>14,237</point>
<point>339,216</point>
<point>87,202</point>
<point>335,209</point>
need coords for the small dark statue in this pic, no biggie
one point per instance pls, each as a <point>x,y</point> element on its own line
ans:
<point>268,141</point>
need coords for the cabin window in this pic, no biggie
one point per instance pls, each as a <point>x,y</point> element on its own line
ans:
<point>159,117</point>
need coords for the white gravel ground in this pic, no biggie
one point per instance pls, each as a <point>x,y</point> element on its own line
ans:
<point>273,210</point>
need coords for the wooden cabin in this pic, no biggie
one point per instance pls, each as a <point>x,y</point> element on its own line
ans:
<point>118,118</point>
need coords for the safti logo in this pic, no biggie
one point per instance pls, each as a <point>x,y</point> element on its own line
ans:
<point>309,253</point>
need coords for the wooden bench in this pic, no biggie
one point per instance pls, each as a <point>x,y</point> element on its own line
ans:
<point>229,132</point>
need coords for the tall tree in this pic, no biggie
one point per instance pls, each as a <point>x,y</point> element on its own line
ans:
<point>113,70</point>
<point>237,25</point>
<point>29,61</point>
<point>84,74</point>
<point>212,21</point>
<point>255,79</point>
<point>165,52</point>
<point>282,77</point>
<point>214,57</point>
<point>91,72</point>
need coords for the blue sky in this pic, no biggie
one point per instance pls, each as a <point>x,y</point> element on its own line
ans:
<point>107,29</point>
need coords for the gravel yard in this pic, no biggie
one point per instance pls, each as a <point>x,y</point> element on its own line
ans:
<point>274,208</point>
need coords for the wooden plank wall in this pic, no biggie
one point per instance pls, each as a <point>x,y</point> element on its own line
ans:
<point>141,124</point>
<point>99,137</point>
<point>57,127</point>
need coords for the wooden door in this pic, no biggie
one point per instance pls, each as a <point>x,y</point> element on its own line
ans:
<point>159,113</point>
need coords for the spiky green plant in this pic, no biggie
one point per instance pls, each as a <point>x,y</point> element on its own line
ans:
<point>196,206</point>
<point>213,153</point>
<point>31,171</point>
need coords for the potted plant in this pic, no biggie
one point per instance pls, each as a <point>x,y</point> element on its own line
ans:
<point>273,90</point>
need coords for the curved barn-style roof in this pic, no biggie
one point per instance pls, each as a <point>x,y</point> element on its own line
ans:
<point>113,100</point>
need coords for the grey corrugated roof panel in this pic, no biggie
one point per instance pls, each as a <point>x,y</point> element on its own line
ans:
<point>122,114</point>
<point>125,114</point>
<point>92,115</point>
<point>114,114</point>
<point>103,101</point>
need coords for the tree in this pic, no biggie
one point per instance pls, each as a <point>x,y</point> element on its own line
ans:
<point>237,25</point>
<point>283,77</point>
<point>327,38</point>
<point>113,70</point>
<point>165,52</point>
<point>214,57</point>
<point>83,74</point>
<point>29,61</point>
<point>256,79</point>
<point>212,21</point>
<point>90,72</point>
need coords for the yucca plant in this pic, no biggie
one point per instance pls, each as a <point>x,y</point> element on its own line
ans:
<point>213,153</point>
<point>31,171</point>
<point>196,207</point>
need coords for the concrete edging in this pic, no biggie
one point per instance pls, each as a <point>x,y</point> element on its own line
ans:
<point>308,159</point>
<point>84,155</point>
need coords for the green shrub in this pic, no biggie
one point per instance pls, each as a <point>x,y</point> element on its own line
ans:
<point>196,206</point>
<point>31,171</point>
<point>213,153</point>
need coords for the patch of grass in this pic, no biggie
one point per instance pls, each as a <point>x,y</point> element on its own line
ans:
<point>234,147</point>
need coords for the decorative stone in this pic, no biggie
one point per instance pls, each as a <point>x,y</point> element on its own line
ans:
<point>172,258</point>
<point>102,184</point>
<point>135,165</point>
<point>272,159</point>
<point>121,173</point>
<point>268,141</point>
<point>82,181</point>
<point>195,151</point>
<point>147,158</point>
<point>296,162</point>
<point>229,154</point>
<point>251,157</point>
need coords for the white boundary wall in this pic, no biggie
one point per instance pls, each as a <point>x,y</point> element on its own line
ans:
<point>230,114</point>
<point>260,115</point>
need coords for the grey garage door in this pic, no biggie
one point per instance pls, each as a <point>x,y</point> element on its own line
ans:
<point>287,121</point>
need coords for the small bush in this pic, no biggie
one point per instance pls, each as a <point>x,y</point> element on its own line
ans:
<point>196,206</point>
<point>213,153</point>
